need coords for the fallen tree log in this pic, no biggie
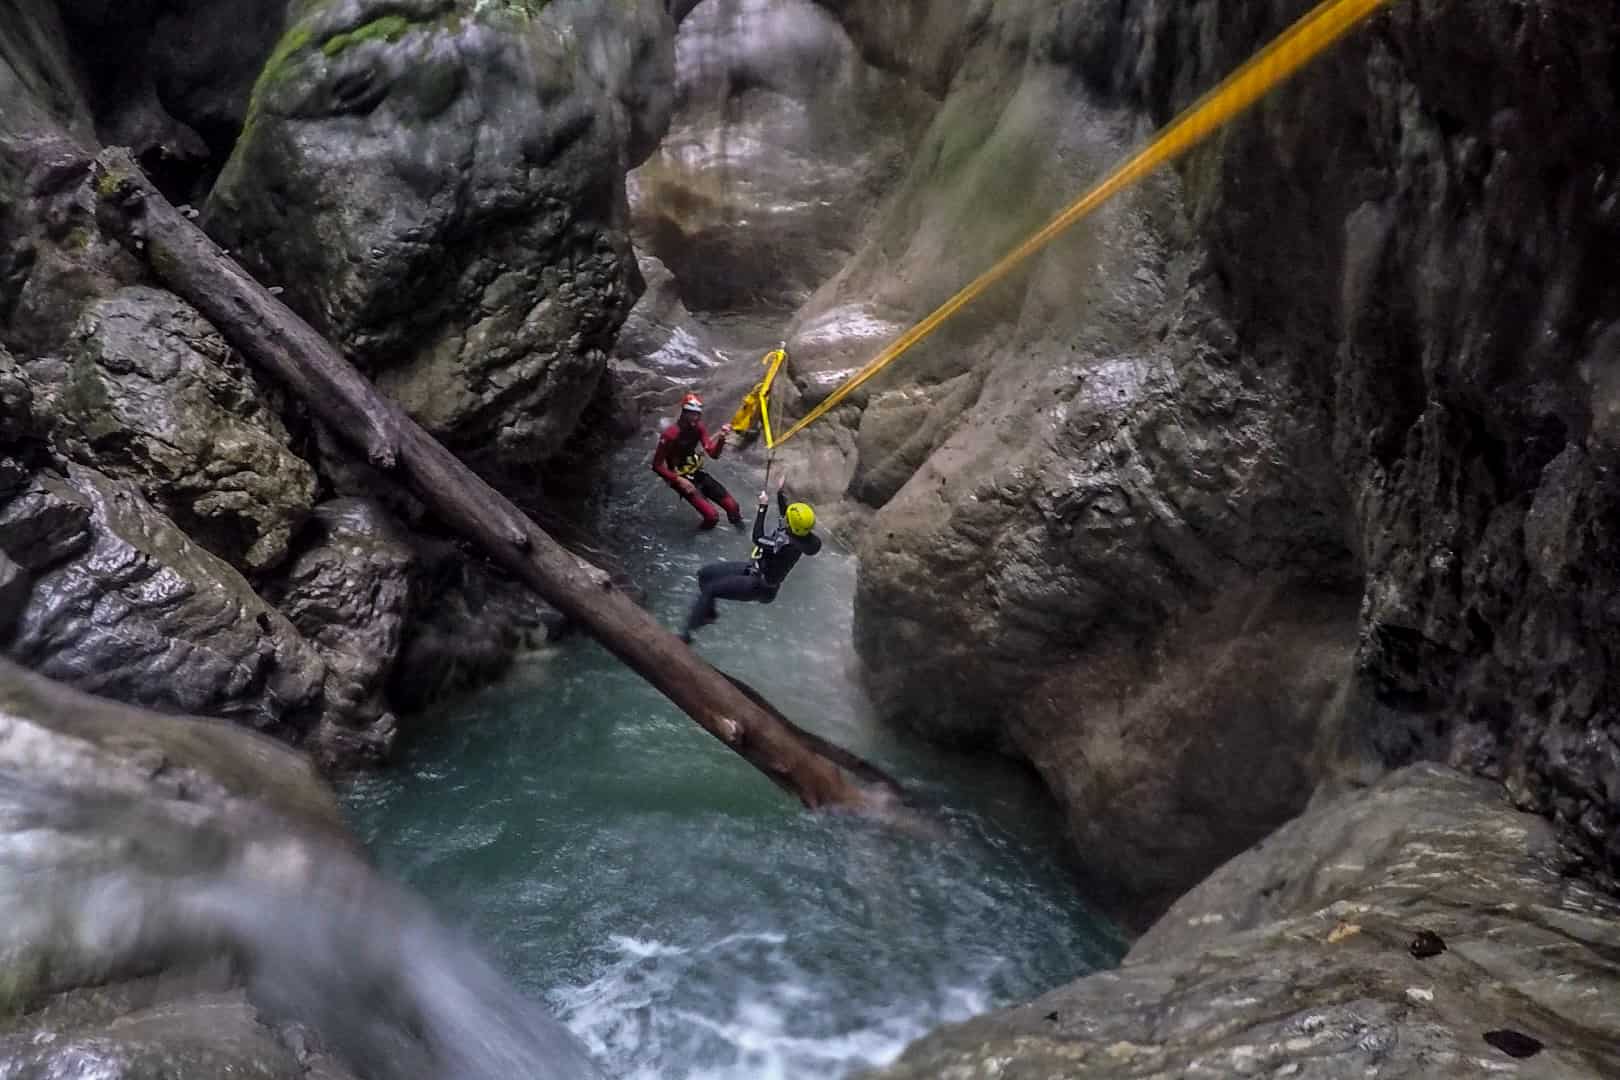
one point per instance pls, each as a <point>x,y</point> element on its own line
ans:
<point>274,337</point>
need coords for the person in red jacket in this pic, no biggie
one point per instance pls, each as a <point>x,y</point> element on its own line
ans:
<point>679,460</point>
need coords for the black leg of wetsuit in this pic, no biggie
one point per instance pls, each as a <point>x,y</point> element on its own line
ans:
<point>725,581</point>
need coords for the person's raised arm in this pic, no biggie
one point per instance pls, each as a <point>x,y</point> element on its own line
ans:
<point>759,518</point>
<point>713,446</point>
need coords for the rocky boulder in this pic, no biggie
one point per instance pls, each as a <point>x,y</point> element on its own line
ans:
<point>125,604</point>
<point>1096,530</point>
<point>467,623</point>
<point>783,137</point>
<point>661,350</point>
<point>1380,253</point>
<point>182,899</point>
<point>348,592</point>
<point>151,393</point>
<point>1421,927</point>
<point>171,80</point>
<point>151,1028</point>
<point>438,187</point>
<point>93,795</point>
<point>53,259</point>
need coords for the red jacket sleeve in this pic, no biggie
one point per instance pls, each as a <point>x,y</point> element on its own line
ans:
<point>711,446</point>
<point>660,461</point>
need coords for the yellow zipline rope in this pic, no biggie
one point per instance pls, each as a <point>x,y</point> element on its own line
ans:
<point>1292,50</point>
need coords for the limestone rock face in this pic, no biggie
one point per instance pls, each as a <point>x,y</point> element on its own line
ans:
<point>150,393</point>
<point>124,604</point>
<point>438,187</point>
<point>1092,521</point>
<point>782,138</point>
<point>1301,957</point>
<point>1353,349</point>
<point>662,349</point>
<point>170,80</point>
<point>349,593</point>
<point>183,899</point>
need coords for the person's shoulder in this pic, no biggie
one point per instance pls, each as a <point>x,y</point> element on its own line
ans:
<point>812,543</point>
<point>670,433</point>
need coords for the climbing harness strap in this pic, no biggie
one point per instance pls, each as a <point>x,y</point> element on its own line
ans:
<point>1268,68</point>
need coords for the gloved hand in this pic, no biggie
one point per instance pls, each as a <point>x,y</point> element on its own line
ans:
<point>764,500</point>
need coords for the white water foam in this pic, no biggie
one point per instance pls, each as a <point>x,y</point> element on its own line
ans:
<point>648,1006</point>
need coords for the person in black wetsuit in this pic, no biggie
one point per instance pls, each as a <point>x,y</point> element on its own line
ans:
<point>758,579</point>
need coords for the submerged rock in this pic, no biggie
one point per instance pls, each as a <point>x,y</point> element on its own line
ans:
<point>152,394</point>
<point>1292,961</point>
<point>438,187</point>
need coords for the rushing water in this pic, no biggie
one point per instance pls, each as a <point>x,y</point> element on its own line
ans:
<point>678,912</point>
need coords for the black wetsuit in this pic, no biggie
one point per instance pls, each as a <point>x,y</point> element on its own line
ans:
<point>758,579</point>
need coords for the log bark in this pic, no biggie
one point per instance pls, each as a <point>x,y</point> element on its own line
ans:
<point>274,337</point>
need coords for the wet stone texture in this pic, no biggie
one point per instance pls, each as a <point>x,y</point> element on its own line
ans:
<point>126,605</point>
<point>348,593</point>
<point>439,188</point>
<point>1295,959</point>
<point>90,788</point>
<point>1358,349</point>
<point>151,393</point>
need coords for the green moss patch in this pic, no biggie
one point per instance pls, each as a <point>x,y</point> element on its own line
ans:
<point>389,28</point>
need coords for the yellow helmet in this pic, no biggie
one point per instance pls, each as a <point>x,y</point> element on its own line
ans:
<point>800,518</point>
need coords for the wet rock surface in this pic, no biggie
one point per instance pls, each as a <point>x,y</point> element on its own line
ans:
<point>182,899</point>
<point>1294,959</point>
<point>15,586</point>
<point>1088,513</point>
<point>1143,417</point>
<point>348,593</point>
<point>171,80</point>
<point>154,1029</point>
<point>661,350</point>
<point>467,624</point>
<point>438,187</point>
<point>782,139</point>
<point>151,393</point>
<point>125,604</point>
<point>103,371</point>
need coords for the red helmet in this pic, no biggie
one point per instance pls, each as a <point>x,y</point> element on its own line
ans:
<point>691,403</point>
